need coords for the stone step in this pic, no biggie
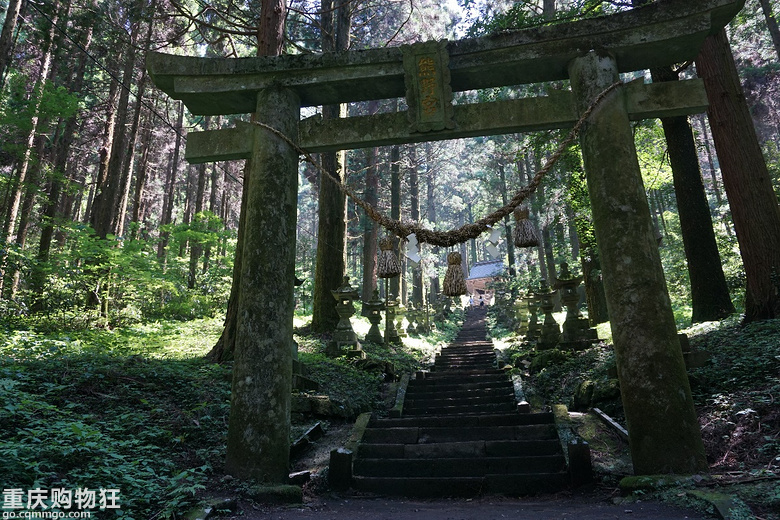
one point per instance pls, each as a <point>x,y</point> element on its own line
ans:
<point>436,393</point>
<point>506,419</point>
<point>463,365</point>
<point>514,484</point>
<point>466,354</point>
<point>449,377</point>
<point>467,342</point>
<point>426,402</point>
<point>443,385</point>
<point>430,435</point>
<point>463,373</point>
<point>468,409</point>
<point>459,466</point>
<point>479,448</point>
<point>461,434</point>
<point>489,358</point>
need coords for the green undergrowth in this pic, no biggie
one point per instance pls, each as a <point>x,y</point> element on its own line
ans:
<point>134,409</point>
<point>736,393</point>
<point>139,409</point>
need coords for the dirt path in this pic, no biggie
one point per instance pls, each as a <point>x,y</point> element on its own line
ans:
<point>486,508</point>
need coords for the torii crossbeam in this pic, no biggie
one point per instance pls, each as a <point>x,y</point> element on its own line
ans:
<point>664,435</point>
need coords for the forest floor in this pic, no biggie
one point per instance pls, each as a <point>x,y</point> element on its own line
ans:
<point>138,408</point>
<point>736,395</point>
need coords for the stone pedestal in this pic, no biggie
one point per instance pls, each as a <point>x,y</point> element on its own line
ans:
<point>551,332</point>
<point>520,308</point>
<point>412,319</point>
<point>373,310</point>
<point>577,333</point>
<point>344,337</point>
<point>391,335</point>
<point>400,314</point>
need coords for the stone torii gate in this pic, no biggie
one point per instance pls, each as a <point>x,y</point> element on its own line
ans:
<point>662,424</point>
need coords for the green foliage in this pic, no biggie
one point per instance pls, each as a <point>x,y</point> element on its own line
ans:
<point>130,409</point>
<point>742,358</point>
<point>134,284</point>
<point>524,15</point>
<point>557,382</point>
<point>356,390</point>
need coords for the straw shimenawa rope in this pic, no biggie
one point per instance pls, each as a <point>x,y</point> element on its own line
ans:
<point>467,231</point>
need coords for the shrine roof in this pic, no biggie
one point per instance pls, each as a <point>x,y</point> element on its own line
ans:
<point>487,269</point>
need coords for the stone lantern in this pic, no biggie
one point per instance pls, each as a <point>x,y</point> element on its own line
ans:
<point>391,308</point>
<point>373,309</point>
<point>576,329</point>
<point>411,318</point>
<point>519,312</point>
<point>532,301</point>
<point>345,336</point>
<point>400,314</point>
<point>551,332</point>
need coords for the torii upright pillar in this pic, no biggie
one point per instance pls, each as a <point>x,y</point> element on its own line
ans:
<point>259,425</point>
<point>663,430</point>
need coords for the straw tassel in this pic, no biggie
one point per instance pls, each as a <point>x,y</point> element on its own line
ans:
<point>387,263</point>
<point>525,232</point>
<point>454,281</point>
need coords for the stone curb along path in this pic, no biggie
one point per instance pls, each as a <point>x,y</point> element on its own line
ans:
<point>460,433</point>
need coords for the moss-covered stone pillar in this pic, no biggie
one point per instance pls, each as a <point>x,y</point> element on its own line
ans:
<point>258,444</point>
<point>664,434</point>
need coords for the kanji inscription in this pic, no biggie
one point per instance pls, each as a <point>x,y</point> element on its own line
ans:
<point>428,91</point>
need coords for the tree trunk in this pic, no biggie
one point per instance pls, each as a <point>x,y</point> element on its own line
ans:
<point>433,281</point>
<point>701,118</point>
<point>574,239</point>
<point>105,152</point>
<point>414,213</point>
<point>270,42</point>
<point>105,205</point>
<point>129,162</point>
<point>62,151</point>
<point>370,228</point>
<point>589,253</point>
<point>331,233</point>
<point>170,184</point>
<point>771,24</point>
<point>196,248</point>
<point>7,36</point>
<point>395,212</point>
<point>709,293</point>
<point>746,179</point>
<point>222,350</point>
<point>24,162</point>
<point>472,242</point>
<point>141,175</point>
<point>510,240</point>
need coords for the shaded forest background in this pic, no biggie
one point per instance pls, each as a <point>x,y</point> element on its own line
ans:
<point>117,257</point>
<point>104,221</point>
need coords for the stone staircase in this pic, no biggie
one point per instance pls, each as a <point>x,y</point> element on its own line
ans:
<point>460,432</point>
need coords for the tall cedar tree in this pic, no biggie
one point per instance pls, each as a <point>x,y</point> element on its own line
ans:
<point>270,41</point>
<point>771,23</point>
<point>7,35</point>
<point>709,293</point>
<point>26,160</point>
<point>745,176</point>
<point>331,231</point>
<point>370,228</point>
